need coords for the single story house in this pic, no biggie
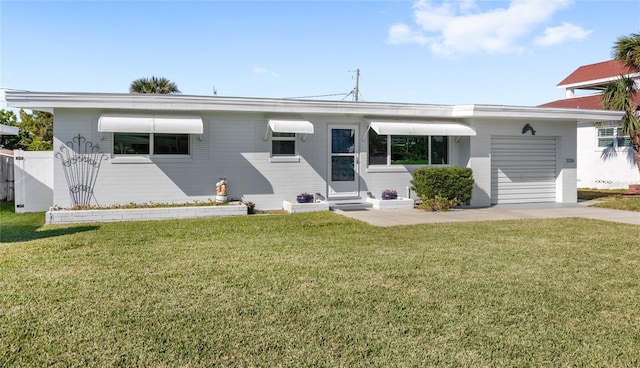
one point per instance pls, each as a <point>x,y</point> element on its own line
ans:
<point>605,157</point>
<point>122,148</point>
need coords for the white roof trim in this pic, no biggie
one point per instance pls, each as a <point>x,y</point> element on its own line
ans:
<point>137,123</point>
<point>48,101</point>
<point>291,126</point>
<point>8,130</point>
<point>421,128</point>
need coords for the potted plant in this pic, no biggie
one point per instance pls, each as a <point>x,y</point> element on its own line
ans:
<point>304,198</point>
<point>389,194</point>
<point>251,208</point>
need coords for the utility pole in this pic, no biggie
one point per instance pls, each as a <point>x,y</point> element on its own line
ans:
<point>356,91</point>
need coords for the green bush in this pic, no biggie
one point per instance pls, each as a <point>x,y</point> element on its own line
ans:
<point>438,204</point>
<point>449,183</point>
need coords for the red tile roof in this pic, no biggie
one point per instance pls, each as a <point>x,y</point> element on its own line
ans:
<point>605,69</point>
<point>584,102</point>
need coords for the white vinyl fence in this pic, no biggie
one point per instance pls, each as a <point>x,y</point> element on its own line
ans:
<point>33,176</point>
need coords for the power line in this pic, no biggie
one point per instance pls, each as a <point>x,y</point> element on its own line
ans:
<point>331,95</point>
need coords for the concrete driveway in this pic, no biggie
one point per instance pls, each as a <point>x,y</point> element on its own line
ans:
<point>500,212</point>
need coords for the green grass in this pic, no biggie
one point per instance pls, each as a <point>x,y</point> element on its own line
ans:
<point>318,290</point>
<point>617,199</point>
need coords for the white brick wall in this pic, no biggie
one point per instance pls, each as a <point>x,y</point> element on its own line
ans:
<point>136,214</point>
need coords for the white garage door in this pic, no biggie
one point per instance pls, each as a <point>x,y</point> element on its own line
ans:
<point>523,169</point>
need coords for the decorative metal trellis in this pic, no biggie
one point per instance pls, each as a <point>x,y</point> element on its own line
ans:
<point>81,163</point>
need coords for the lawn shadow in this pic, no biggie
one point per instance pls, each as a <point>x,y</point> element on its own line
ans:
<point>20,233</point>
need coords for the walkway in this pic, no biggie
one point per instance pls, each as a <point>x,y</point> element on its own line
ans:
<point>501,212</point>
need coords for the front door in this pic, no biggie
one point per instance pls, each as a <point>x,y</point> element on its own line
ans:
<point>343,161</point>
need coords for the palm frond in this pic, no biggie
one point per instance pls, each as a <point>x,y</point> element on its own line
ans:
<point>627,49</point>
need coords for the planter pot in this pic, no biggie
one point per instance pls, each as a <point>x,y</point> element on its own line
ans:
<point>398,203</point>
<point>305,198</point>
<point>386,196</point>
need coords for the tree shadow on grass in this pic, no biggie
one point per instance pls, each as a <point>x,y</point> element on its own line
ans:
<point>20,233</point>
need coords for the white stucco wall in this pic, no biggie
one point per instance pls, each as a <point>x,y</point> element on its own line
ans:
<point>600,167</point>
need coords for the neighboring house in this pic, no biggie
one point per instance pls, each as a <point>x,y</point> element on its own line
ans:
<point>605,157</point>
<point>174,148</point>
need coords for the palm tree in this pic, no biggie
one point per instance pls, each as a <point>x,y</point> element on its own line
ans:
<point>154,85</point>
<point>620,95</point>
<point>627,49</point>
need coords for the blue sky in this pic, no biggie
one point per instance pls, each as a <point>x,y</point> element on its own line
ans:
<point>442,52</point>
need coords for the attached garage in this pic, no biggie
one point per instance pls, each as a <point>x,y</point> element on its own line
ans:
<point>523,169</point>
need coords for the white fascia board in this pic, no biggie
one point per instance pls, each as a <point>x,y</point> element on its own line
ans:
<point>540,113</point>
<point>38,100</point>
<point>368,110</point>
<point>596,82</point>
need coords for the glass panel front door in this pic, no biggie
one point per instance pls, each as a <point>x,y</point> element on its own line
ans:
<point>343,161</point>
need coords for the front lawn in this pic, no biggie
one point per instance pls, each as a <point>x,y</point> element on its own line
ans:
<point>318,289</point>
<point>617,199</point>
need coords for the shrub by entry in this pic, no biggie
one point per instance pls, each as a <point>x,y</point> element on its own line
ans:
<point>442,188</point>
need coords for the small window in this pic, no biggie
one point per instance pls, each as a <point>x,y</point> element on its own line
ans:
<point>150,144</point>
<point>612,137</point>
<point>283,144</point>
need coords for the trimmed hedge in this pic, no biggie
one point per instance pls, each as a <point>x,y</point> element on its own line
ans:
<point>451,183</point>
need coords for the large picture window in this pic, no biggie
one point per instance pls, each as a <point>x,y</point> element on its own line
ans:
<point>612,137</point>
<point>150,144</point>
<point>408,150</point>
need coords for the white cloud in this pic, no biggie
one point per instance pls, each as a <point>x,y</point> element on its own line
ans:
<point>561,34</point>
<point>402,33</point>
<point>261,70</point>
<point>452,28</point>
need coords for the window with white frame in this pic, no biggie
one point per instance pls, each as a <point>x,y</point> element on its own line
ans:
<point>408,149</point>
<point>150,144</point>
<point>283,144</point>
<point>612,137</point>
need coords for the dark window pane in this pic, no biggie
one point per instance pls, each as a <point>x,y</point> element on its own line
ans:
<point>605,132</point>
<point>283,135</point>
<point>131,143</point>
<point>409,150</point>
<point>439,150</point>
<point>605,142</point>
<point>342,141</point>
<point>377,148</point>
<point>624,142</point>
<point>171,144</point>
<point>342,168</point>
<point>283,148</point>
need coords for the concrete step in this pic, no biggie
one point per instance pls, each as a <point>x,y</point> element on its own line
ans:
<point>349,204</point>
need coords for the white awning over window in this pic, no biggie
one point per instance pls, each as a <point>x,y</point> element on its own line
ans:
<point>8,130</point>
<point>291,126</point>
<point>130,123</point>
<point>421,128</point>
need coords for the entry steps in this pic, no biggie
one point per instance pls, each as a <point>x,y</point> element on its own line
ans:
<point>349,204</point>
